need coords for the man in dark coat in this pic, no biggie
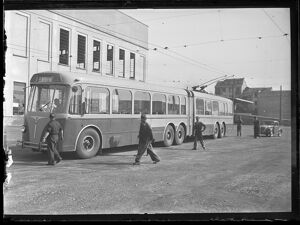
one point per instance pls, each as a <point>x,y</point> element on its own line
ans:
<point>145,142</point>
<point>256,127</point>
<point>199,127</point>
<point>239,123</point>
<point>53,132</point>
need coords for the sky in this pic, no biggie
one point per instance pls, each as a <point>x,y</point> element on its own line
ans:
<point>189,47</point>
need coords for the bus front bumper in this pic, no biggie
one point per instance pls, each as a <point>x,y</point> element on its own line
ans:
<point>40,147</point>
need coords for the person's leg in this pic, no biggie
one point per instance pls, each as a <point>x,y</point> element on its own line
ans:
<point>50,153</point>
<point>141,150</point>
<point>56,153</point>
<point>201,141</point>
<point>154,157</point>
<point>195,142</point>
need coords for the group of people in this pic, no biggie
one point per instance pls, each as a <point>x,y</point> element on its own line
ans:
<point>239,123</point>
<point>54,133</point>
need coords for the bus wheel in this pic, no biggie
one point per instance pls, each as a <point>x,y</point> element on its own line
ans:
<point>88,144</point>
<point>180,134</point>
<point>169,136</point>
<point>216,131</point>
<point>222,131</point>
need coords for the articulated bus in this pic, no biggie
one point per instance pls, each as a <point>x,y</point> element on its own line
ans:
<point>98,113</point>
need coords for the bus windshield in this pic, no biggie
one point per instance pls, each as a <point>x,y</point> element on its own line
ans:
<point>48,98</point>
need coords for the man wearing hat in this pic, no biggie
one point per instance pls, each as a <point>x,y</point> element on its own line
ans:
<point>53,130</point>
<point>145,142</point>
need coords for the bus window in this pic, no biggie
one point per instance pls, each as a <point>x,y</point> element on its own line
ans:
<point>208,108</point>
<point>173,104</point>
<point>97,100</point>
<point>199,106</point>
<point>121,101</point>
<point>75,100</point>
<point>230,109</point>
<point>159,103</point>
<point>226,109</point>
<point>215,108</point>
<point>141,102</point>
<point>183,105</point>
<point>222,108</point>
<point>45,98</point>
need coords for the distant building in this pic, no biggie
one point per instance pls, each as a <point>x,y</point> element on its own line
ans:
<point>268,104</point>
<point>251,94</point>
<point>230,88</point>
<point>96,42</point>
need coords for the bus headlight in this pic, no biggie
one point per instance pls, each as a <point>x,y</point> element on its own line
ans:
<point>23,128</point>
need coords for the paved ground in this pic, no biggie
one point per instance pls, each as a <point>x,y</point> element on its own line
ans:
<point>236,174</point>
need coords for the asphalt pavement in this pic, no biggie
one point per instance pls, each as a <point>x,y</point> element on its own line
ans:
<point>236,174</point>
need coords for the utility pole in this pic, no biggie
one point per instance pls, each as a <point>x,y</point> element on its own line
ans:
<point>280,96</point>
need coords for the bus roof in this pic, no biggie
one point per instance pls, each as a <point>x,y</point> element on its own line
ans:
<point>72,78</point>
<point>211,96</point>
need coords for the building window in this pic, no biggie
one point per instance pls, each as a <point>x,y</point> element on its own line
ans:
<point>199,106</point>
<point>110,59</point>
<point>19,38</point>
<point>121,63</point>
<point>141,102</point>
<point>97,100</point>
<point>64,47</point>
<point>183,105</point>
<point>43,42</point>
<point>140,74</point>
<point>215,108</point>
<point>173,104</point>
<point>81,51</point>
<point>121,102</point>
<point>159,104</point>
<point>132,65</point>
<point>19,95</point>
<point>96,56</point>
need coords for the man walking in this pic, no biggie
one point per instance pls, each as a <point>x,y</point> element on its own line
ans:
<point>239,123</point>
<point>199,127</point>
<point>256,127</point>
<point>53,131</point>
<point>145,142</point>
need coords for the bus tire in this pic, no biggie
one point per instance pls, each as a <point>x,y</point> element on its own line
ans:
<point>88,143</point>
<point>169,136</point>
<point>216,131</point>
<point>180,134</point>
<point>221,131</point>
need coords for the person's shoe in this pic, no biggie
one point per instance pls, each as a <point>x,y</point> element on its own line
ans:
<point>154,162</point>
<point>194,149</point>
<point>51,163</point>
<point>204,148</point>
<point>136,163</point>
<point>59,160</point>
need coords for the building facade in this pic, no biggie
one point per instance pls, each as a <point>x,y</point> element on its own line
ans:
<point>276,104</point>
<point>230,88</point>
<point>96,42</point>
<point>251,94</point>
